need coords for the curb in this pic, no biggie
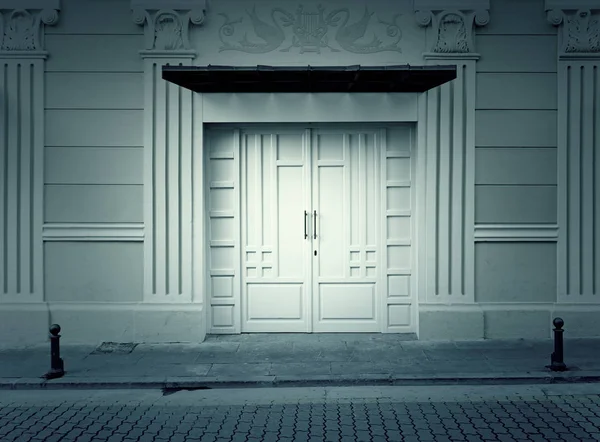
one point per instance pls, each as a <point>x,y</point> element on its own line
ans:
<point>172,384</point>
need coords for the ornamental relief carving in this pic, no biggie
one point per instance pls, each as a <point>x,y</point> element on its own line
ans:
<point>581,30</point>
<point>167,30</point>
<point>582,33</point>
<point>310,30</point>
<point>21,30</point>
<point>452,30</point>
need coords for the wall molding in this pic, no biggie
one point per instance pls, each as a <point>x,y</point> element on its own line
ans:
<point>513,306</point>
<point>516,232</point>
<point>93,232</point>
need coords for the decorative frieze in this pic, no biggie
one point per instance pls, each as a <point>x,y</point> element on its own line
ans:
<point>452,23</point>
<point>312,29</point>
<point>22,26</point>
<point>579,22</point>
<point>167,25</point>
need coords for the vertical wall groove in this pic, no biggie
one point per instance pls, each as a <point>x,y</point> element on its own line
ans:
<point>596,170</point>
<point>165,167</point>
<point>32,177</point>
<point>463,128</point>
<point>567,227</point>
<point>438,185</point>
<point>152,179</point>
<point>179,176</point>
<point>4,178</point>
<point>17,166</point>
<point>25,178</point>
<point>580,178</point>
<point>451,211</point>
<point>12,193</point>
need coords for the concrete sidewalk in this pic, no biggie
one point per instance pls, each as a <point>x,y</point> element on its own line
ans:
<point>300,359</point>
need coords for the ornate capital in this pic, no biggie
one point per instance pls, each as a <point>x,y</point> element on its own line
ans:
<point>579,23</point>
<point>167,25</point>
<point>22,26</point>
<point>452,23</point>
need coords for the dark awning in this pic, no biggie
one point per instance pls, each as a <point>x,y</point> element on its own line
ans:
<point>400,78</point>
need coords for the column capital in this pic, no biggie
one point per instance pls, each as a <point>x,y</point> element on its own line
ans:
<point>452,23</point>
<point>22,27</point>
<point>167,24</point>
<point>579,27</point>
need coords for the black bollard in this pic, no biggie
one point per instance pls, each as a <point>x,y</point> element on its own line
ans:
<point>557,363</point>
<point>57,365</point>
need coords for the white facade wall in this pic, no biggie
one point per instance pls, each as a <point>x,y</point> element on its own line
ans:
<point>105,219</point>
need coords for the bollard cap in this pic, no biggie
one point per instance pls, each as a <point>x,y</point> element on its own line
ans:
<point>558,323</point>
<point>55,329</point>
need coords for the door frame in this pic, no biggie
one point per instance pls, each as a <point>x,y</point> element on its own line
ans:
<point>234,111</point>
<point>382,300</point>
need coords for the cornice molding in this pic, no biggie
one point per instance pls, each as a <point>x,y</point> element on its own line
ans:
<point>579,26</point>
<point>22,27</point>
<point>166,25</point>
<point>452,23</point>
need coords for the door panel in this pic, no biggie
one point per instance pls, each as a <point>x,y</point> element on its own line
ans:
<point>274,198</point>
<point>345,197</point>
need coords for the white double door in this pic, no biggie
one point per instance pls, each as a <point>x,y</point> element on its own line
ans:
<point>310,214</point>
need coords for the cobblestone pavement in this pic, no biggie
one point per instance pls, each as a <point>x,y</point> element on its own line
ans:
<point>536,413</point>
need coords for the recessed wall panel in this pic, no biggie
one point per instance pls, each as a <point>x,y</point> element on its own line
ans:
<point>515,272</point>
<point>81,271</point>
<point>398,198</point>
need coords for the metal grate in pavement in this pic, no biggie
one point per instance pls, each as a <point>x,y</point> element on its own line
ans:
<point>115,347</point>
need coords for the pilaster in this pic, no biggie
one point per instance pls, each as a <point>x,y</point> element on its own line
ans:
<point>447,147</point>
<point>22,55</point>
<point>578,148</point>
<point>169,152</point>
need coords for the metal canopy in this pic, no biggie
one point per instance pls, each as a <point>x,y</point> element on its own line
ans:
<point>398,78</point>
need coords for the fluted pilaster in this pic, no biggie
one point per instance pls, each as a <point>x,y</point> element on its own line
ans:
<point>578,148</point>
<point>169,156</point>
<point>448,139</point>
<point>22,55</point>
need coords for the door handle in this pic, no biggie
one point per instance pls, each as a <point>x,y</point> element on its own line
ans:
<point>305,229</point>
<point>315,225</point>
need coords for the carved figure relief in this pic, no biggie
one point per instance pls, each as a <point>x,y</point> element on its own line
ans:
<point>452,35</point>
<point>309,32</point>
<point>582,33</point>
